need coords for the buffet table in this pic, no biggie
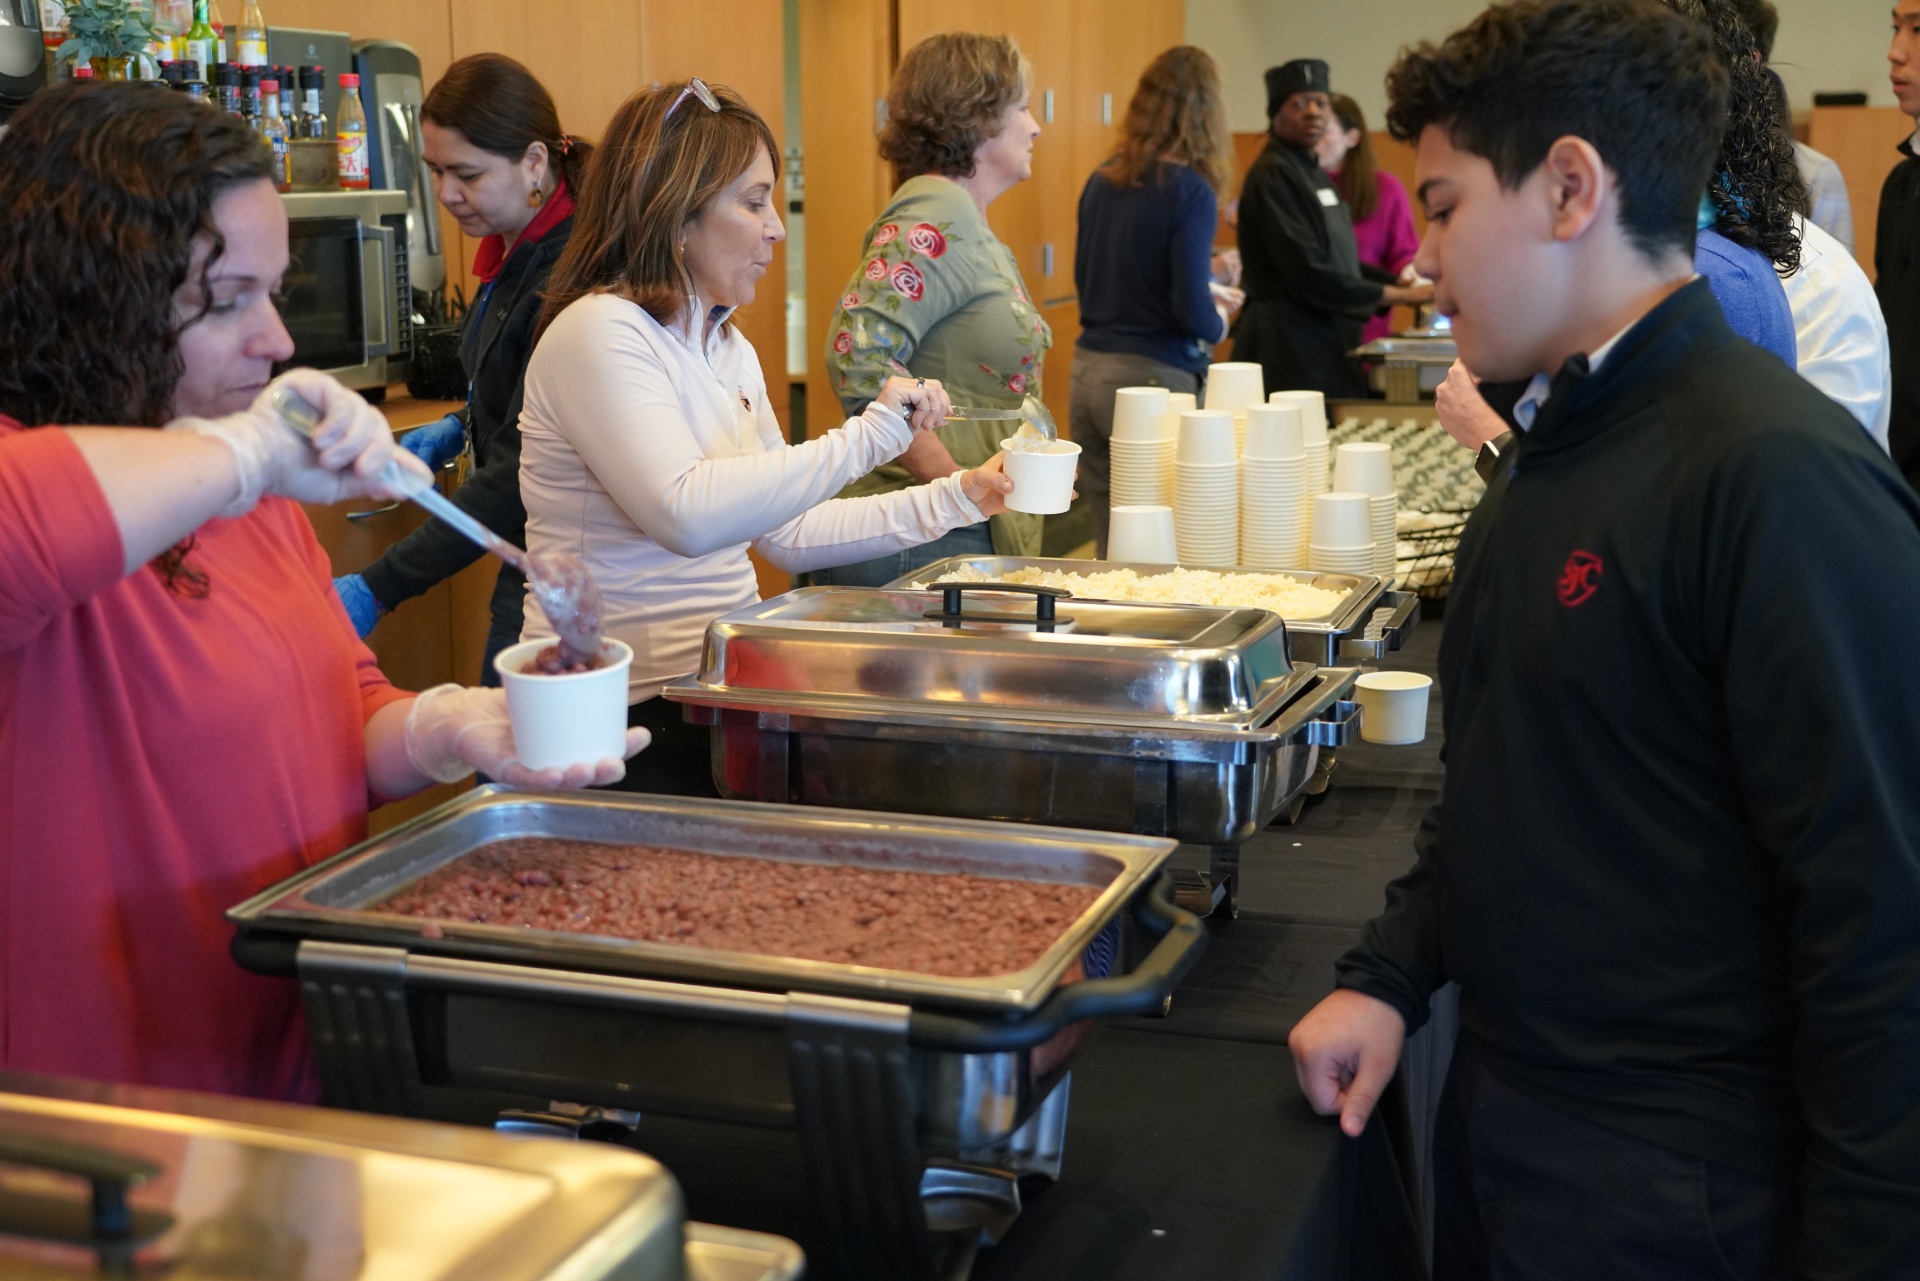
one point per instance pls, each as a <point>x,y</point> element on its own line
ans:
<point>1190,1152</point>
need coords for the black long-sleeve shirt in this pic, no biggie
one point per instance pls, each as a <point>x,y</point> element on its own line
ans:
<point>1308,293</point>
<point>1676,865</point>
<point>1896,262</point>
<point>494,351</point>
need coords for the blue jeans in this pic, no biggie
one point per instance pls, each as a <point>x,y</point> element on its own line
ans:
<point>968,540</point>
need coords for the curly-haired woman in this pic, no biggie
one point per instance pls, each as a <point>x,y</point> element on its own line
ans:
<point>936,294</point>
<point>186,715</point>
<point>1149,309</point>
<point>504,168</point>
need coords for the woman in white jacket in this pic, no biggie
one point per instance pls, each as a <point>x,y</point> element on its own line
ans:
<point>648,448</point>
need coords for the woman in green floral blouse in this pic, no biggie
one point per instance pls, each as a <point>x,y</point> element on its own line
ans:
<point>936,294</point>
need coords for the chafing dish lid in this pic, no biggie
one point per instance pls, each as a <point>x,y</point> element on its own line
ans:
<point>244,1188</point>
<point>1101,659</point>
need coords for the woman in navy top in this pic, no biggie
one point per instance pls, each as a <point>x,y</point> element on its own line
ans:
<point>1149,312</point>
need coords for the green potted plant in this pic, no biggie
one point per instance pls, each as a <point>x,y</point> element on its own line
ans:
<point>107,34</point>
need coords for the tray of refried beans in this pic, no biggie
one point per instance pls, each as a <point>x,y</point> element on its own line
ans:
<point>981,916</point>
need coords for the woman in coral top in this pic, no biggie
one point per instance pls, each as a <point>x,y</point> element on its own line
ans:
<point>186,715</point>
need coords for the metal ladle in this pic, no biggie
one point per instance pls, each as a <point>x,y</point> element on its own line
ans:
<point>1035,419</point>
<point>561,584</point>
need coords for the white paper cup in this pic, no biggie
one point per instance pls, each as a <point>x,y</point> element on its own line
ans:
<point>1206,437</point>
<point>1182,402</point>
<point>560,721</point>
<point>1232,385</point>
<point>1393,707</point>
<point>1273,432</point>
<point>1342,520</point>
<point>1363,467</point>
<point>1313,412</point>
<point>1141,534</point>
<point>1042,479</point>
<point>1139,413</point>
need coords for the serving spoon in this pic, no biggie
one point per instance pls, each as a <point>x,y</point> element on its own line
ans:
<point>565,591</point>
<point>1035,419</point>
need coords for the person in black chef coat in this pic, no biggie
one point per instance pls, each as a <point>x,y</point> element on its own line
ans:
<point>1308,293</point>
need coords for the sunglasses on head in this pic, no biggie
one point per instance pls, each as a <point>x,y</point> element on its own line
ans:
<point>698,88</point>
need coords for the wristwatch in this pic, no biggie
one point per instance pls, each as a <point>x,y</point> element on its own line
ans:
<point>1490,454</point>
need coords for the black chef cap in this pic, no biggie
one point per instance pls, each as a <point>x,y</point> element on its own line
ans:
<point>1302,75</point>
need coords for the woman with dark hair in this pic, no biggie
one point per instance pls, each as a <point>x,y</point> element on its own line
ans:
<point>1150,309</point>
<point>936,294</point>
<point>1383,228</point>
<point>507,172</point>
<point>649,449</point>
<point>189,717</point>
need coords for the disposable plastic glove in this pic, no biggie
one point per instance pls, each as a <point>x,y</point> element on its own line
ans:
<point>362,607</point>
<point>454,730</point>
<point>348,456</point>
<point>437,443</point>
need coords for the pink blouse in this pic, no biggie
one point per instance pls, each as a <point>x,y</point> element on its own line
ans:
<point>1386,238</point>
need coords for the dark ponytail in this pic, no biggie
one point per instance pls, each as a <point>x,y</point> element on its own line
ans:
<point>500,107</point>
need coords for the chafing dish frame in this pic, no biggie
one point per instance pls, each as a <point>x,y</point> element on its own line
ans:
<point>1373,621</point>
<point>1207,785</point>
<point>895,1105</point>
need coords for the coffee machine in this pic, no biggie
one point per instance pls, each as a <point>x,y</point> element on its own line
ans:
<point>23,57</point>
<point>392,89</point>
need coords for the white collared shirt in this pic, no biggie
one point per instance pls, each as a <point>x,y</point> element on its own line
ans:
<point>1541,387</point>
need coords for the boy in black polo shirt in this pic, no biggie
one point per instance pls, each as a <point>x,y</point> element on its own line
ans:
<point>1676,871</point>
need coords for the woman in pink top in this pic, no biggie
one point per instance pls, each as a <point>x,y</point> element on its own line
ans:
<point>186,715</point>
<point>1382,214</point>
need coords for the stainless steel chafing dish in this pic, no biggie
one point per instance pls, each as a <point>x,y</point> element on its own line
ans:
<point>917,1099</point>
<point>1011,702</point>
<point>131,1181</point>
<point>1409,366</point>
<point>1370,622</point>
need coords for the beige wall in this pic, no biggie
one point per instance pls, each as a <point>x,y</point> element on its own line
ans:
<point>1823,44</point>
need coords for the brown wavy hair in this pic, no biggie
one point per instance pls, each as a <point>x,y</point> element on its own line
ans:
<point>950,93</point>
<point>1178,113</point>
<point>656,170</point>
<point>104,191</point>
<point>501,107</point>
<point>1359,183</point>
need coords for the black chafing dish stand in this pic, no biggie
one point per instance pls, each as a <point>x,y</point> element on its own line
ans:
<point>916,1117</point>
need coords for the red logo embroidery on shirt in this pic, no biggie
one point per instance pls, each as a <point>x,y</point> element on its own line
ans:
<point>1580,579</point>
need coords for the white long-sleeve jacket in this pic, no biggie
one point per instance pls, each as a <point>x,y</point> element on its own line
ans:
<point>654,458</point>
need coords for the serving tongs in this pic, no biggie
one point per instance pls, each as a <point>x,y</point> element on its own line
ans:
<point>561,584</point>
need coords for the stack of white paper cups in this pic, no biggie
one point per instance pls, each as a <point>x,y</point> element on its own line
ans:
<point>1206,489</point>
<point>1273,490</point>
<point>1313,433</point>
<point>1366,467</point>
<point>1342,534</point>
<point>1141,450</point>
<point>1234,385</point>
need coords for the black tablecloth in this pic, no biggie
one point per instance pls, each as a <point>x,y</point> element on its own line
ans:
<point>1190,1152</point>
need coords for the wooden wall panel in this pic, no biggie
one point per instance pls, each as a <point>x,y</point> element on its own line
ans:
<point>846,61</point>
<point>1862,141</point>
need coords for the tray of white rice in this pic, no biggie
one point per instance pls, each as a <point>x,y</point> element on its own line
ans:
<point>1329,616</point>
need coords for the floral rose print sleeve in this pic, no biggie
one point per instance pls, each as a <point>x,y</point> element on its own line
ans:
<point>936,295</point>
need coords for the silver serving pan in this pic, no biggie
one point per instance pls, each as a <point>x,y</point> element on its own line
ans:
<point>219,1187</point>
<point>919,1101</point>
<point>1370,622</point>
<point>340,899</point>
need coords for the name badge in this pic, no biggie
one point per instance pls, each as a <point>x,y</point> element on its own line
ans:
<point>1328,196</point>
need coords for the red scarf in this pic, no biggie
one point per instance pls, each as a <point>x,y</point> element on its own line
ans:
<point>492,254</point>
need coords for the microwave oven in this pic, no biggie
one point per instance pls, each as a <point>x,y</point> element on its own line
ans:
<point>347,298</point>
